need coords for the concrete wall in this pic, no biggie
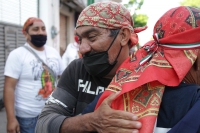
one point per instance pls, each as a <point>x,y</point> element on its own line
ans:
<point>49,13</point>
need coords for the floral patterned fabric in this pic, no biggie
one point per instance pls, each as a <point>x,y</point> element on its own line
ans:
<point>109,15</point>
<point>30,21</point>
<point>142,77</point>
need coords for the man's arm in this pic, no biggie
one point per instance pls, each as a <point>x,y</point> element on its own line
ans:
<point>55,119</point>
<point>55,111</point>
<point>9,98</point>
<point>103,120</point>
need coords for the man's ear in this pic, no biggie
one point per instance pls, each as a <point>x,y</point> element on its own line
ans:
<point>25,34</point>
<point>125,36</point>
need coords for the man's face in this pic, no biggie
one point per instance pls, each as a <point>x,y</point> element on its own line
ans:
<point>94,40</point>
<point>38,28</point>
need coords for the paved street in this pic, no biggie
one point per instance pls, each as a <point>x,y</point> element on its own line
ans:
<point>3,121</point>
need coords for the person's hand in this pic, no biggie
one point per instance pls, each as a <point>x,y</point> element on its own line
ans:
<point>13,126</point>
<point>107,120</point>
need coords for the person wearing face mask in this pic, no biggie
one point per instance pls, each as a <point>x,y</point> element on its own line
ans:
<point>30,75</point>
<point>160,82</point>
<point>106,33</point>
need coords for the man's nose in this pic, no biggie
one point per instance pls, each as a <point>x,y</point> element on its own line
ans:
<point>84,47</point>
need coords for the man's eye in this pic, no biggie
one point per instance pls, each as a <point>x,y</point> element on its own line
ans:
<point>35,29</point>
<point>92,37</point>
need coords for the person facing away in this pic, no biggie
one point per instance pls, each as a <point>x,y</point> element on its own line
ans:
<point>106,33</point>
<point>71,53</point>
<point>28,81</point>
<point>160,82</point>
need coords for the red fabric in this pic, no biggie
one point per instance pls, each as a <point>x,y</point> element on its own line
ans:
<point>30,21</point>
<point>76,39</point>
<point>109,15</point>
<point>142,86</point>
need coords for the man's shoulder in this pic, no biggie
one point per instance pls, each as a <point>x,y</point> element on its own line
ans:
<point>77,63</point>
<point>50,48</point>
<point>184,86</point>
<point>76,66</point>
<point>20,50</point>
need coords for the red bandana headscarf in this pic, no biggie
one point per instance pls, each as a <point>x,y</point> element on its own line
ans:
<point>30,21</point>
<point>109,15</point>
<point>165,61</point>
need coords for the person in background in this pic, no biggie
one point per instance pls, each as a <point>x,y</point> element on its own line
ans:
<point>71,52</point>
<point>106,34</point>
<point>30,75</point>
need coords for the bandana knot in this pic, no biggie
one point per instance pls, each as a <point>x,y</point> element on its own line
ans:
<point>156,38</point>
<point>150,49</point>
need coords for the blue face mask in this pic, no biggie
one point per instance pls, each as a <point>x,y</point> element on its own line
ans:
<point>97,64</point>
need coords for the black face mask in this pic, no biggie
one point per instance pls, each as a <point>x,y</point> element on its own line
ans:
<point>97,64</point>
<point>38,40</point>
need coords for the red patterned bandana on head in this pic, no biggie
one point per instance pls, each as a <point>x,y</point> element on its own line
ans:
<point>109,15</point>
<point>30,21</point>
<point>164,61</point>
